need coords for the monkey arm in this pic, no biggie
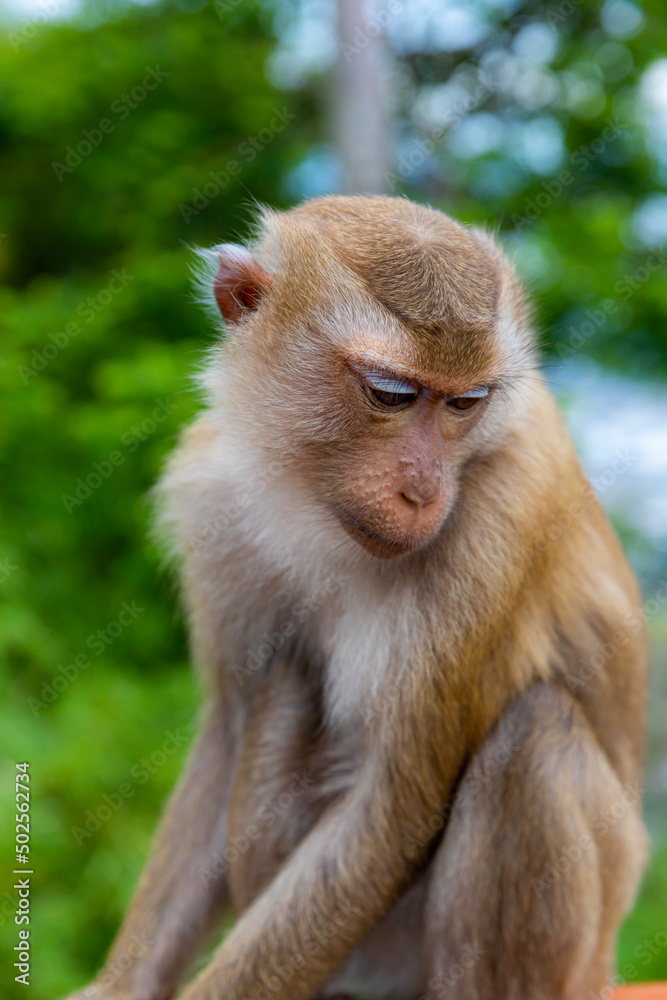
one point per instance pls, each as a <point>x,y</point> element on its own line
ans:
<point>181,892</point>
<point>338,882</point>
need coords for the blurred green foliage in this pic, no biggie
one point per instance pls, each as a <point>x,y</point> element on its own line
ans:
<point>554,138</point>
<point>117,383</point>
<point>99,339</point>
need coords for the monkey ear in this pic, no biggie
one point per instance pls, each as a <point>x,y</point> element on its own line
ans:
<point>240,282</point>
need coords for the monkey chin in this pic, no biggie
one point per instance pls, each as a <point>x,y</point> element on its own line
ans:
<point>383,546</point>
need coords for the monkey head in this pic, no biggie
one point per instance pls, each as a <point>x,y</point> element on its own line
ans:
<point>376,342</point>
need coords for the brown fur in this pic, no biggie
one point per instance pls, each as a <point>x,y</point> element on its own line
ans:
<point>440,727</point>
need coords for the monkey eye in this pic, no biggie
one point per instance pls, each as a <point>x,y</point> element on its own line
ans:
<point>467,399</point>
<point>389,391</point>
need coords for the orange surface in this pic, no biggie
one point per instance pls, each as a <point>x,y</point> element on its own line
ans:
<point>643,991</point>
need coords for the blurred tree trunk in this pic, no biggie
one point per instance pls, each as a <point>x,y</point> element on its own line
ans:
<point>362,98</point>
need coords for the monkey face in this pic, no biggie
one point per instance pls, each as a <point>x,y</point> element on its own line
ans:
<point>367,339</point>
<point>399,481</point>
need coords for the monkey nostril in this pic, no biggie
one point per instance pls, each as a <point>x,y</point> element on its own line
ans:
<point>419,501</point>
<point>419,498</point>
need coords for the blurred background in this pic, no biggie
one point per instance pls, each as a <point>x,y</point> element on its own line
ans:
<point>131,131</point>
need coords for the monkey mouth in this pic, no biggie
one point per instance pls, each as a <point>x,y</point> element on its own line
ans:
<point>379,545</point>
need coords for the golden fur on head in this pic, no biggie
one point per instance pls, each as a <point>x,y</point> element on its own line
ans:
<point>445,284</point>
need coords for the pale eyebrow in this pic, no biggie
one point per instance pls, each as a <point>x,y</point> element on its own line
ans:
<point>478,393</point>
<point>380,380</point>
<point>378,362</point>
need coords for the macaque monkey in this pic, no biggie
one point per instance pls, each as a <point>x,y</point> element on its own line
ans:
<point>420,763</point>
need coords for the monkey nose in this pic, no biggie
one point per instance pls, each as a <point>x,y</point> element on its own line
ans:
<point>419,495</point>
